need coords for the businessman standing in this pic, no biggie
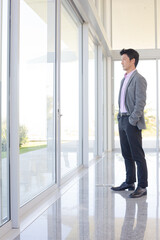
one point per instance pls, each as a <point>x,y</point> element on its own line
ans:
<point>132,100</point>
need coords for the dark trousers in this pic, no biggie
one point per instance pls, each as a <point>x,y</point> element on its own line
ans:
<point>132,151</point>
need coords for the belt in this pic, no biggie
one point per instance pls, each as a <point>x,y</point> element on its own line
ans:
<point>124,114</point>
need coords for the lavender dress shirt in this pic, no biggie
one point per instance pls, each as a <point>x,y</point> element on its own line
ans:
<point>123,92</point>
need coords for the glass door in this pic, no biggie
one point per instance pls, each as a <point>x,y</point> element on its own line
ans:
<point>70,90</point>
<point>37,97</point>
<point>4,114</point>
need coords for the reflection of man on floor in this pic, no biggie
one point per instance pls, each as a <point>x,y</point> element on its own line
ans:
<point>134,228</point>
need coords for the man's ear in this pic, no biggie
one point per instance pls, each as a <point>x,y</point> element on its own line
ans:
<point>133,60</point>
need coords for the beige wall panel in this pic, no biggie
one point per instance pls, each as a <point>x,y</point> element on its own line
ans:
<point>158,23</point>
<point>133,24</point>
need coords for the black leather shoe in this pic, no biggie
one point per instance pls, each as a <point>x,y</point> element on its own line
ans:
<point>139,192</point>
<point>124,186</point>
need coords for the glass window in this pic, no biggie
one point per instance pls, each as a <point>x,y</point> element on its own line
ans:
<point>70,91</point>
<point>92,77</point>
<point>37,97</point>
<point>118,75</point>
<point>133,24</point>
<point>146,68</point>
<point>4,115</point>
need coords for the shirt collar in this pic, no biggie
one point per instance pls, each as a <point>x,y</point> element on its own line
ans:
<point>129,74</point>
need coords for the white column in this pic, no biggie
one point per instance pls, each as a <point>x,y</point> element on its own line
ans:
<point>100,102</point>
<point>105,110</point>
<point>85,96</point>
<point>14,113</point>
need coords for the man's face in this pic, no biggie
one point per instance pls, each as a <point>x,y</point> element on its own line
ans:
<point>127,64</point>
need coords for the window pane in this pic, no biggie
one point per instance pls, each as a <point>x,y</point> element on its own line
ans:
<point>4,119</point>
<point>92,70</point>
<point>118,75</point>
<point>133,24</point>
<point>146,68</point>
<point>37,97</point>
<point>70,91</point>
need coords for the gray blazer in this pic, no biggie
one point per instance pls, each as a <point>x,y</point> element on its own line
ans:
<point>135,99</point>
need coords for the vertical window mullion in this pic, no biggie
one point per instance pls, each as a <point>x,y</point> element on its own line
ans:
<point>58,107</point>
<point>99,102</point>
<point>85,95</point>
<point>80,153</point>
<point>14,114</point>
<point>96,102</point>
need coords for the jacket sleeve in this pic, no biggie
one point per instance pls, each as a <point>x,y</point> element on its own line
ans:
<point>140,100</point>
<point>118,115</point>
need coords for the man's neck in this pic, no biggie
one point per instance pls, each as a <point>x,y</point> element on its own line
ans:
<point>130,70</point>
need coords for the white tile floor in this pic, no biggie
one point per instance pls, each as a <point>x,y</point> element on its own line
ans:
<point>90,210</point>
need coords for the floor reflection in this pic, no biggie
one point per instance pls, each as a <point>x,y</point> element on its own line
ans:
<point>89,210</point>
<point>135,219</point>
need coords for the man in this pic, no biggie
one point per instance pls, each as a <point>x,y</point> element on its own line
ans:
<point>132,99</point>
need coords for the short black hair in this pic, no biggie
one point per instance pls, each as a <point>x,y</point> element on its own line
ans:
<point>131,53</point>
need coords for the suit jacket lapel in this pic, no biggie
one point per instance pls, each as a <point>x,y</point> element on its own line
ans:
<point>129,81</point>
<point>131,77</point>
